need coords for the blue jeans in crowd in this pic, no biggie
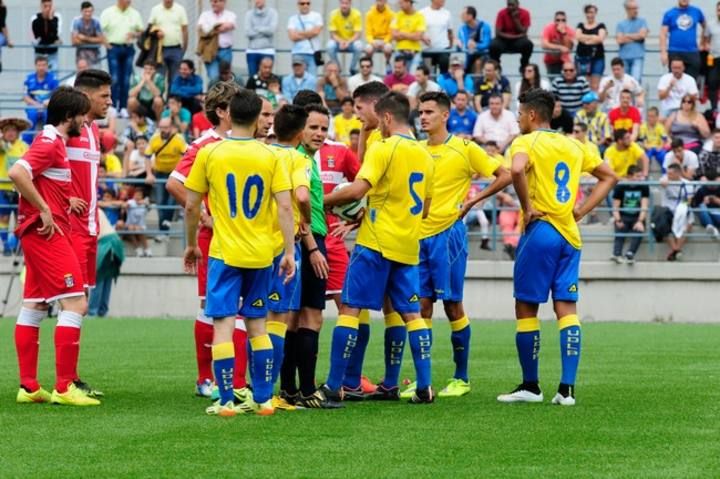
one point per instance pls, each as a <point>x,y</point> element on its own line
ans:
<point>253,62</point>
<point>120,64</point>
<point>355,48</point>
<point>163,200</point>
<point>709,216</point>
<point>172,56</point>
<point>634,67</point>
<point>213,68</point>
<point>100,298</point>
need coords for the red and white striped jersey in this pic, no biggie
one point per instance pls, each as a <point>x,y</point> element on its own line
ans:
<point>47,163</point>
<point>84,154</point>
<point>338,164</point>
<point>182,170</point>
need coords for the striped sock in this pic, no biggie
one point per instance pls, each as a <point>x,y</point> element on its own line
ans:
<point>277,331</point>
<point>224,365</point>
<point>343,342</point>
<point>395,334</point>
<point>357,358</point>
<point>261,371</point>
<point>570,345</point>
<point>527,341</point>
<point>420,345</point>
<point>460,339</point>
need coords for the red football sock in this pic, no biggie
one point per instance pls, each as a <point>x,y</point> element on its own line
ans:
<point>27,344</point>
<point>203,350</point>
<point>67,350</point>
<point>240,343</point>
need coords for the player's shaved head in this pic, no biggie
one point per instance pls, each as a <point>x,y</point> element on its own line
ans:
<point>245,108</point>
<point>219,96</point>
<point>396,104</point>
<point>441,98</point>
<point>289,121</point>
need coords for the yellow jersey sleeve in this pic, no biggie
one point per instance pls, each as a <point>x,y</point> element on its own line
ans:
<point>636,151</point>
<point>520,145</point>
<point>480,161</point>
<point>591,158</point>
<point>300,175</point>
<point>281,178</point>
<point>375,163</point>
<point>197,180</point>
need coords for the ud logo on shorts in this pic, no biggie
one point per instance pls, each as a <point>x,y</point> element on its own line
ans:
<point>273,297</point>
<point>258,303</point>
<point>572,288</point>
<point>414,299</point>
<point>69,281</point>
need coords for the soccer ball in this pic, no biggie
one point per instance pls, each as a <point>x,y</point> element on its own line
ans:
<point>350,211</point>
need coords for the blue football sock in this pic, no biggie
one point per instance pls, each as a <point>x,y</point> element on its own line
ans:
<point>355,365</point>
<point>277,331</point>
<point>344,338</point>
<point>570,343</point>
<point>262,367</point>
<point>420,345</point>
<point>460,339</point>
<point>223,355</point>
<point>395,333</point>
<point>527,341</point>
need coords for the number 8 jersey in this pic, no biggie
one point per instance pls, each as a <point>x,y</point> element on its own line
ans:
<point>400,171</point>
<point>240,177</point>
<point>555,165</point>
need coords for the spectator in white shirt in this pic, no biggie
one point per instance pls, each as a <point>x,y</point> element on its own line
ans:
<point>304,30</point>
<point>496,124</point>
<point>221,21</point>
<point>422,84</point>
<point>611,86</point>
<point>673,86</point>
<point>439,29</point>
<point>260,25</point>
<point>687,159</point>
<point>365,76</point>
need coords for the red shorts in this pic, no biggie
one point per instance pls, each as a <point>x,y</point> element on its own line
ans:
<point>52,269</point>
<point>85,247</point>
<point>204,237</point>
<point>338,260</point>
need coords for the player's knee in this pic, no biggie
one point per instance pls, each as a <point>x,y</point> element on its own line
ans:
<point>453,310</point>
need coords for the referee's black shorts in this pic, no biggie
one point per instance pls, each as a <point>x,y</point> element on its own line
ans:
<point>313,288</point>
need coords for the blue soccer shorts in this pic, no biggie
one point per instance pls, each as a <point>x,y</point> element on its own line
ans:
<point>443,260</point>
<point>284,298</point>
<point>545,262</point>
<point>370,277</point>
<point>227,284</point>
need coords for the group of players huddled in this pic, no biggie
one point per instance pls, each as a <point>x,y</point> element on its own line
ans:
<point>268,252</point>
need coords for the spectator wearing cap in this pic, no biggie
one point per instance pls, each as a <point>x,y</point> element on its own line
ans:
<point>300,79</point>
<point>570,88</point>
<point>188,86</point>
<point>679,34</point>
<point>259,81</point>
<point>170,19</point>
<point>599,131</point>
<point>408,30</point>
<point>378,34</point>
<point>456,79</point>
<point>491,82</point>
<point>218,21</point>
<point>511,33</point>
<point>625,116</point>
<point>473,38</point>
<point>399,79</point>
<point>345,28</point>
<point>304,29</point>
<point>439,30</point>
<point>496,124</point>
<point>260,25</point>
<point>461,121</point>
<point>86,30</point>
<point>611,86</point>
<point>364,76</point>
<point>630,36</point>
<point>422,84</point>
<point>557,41</point>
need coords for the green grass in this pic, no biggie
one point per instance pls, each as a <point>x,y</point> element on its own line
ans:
<point>647,407</point>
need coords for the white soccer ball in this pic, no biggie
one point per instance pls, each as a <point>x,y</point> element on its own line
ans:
<point>350,211</point>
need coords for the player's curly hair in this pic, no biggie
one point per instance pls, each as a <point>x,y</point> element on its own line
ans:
<point>219,96</point>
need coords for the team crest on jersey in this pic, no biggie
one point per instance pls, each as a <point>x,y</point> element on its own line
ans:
<point>572,288</point>
<point>414,299</point>
<point>258,303</point>
<point>69,280</point>
<point>274,296</point>
<point>331,162</point>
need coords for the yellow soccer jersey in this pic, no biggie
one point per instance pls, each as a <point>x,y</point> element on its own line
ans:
<point>400,171</point>
<point>455,162</point>
<point>343,126</point>
<point>555,165</point>
<point>298,166</point>
<point>620,161</point>
<point>240,176</point>
<point>404,23</point>
<point>374,136</point>
<point>345,27</point>
<point>655,136</point>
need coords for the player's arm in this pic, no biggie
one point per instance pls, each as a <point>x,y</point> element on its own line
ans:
<point>193,201</point>
<point>177,190</point>
<point>287,227</point>
<point>607,179</point>
<point>21,176</point>
<point>356,191</point>
<point>302,197</point>
<point>519,163</point>
<point>501,181</point>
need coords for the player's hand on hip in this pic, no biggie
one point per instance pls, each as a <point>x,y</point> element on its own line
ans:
<point>576,214</point>
<point>531,215</point>
<point>190,258</point>
<point>78,205</point>
<point>287,267</point>
<point>49,227</point>
<point>319,264</point>
<point>465,210</point>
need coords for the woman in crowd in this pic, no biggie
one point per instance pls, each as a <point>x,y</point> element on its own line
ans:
<point>530,79</point>
<point>688,124</point>
<point>590,53</point>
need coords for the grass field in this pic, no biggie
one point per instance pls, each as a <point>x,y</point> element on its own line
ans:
<point>648,398</point>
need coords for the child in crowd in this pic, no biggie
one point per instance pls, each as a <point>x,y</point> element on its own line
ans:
<point>137,210</point>
<point>653,137</point>
<point>139,165</point>
<point>112,207</point>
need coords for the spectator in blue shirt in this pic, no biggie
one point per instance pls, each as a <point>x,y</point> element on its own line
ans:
<point>462,119</point>
<point>630,35</point>
<point>299,80</point>
<point>678,36</point>
<point>474,37</point>
<point>179,116</point>
<point>188,86</point>
<point>455,79</point>
<point>38,88</point>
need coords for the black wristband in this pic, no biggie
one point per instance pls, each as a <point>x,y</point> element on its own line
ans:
<point>313,250</point>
